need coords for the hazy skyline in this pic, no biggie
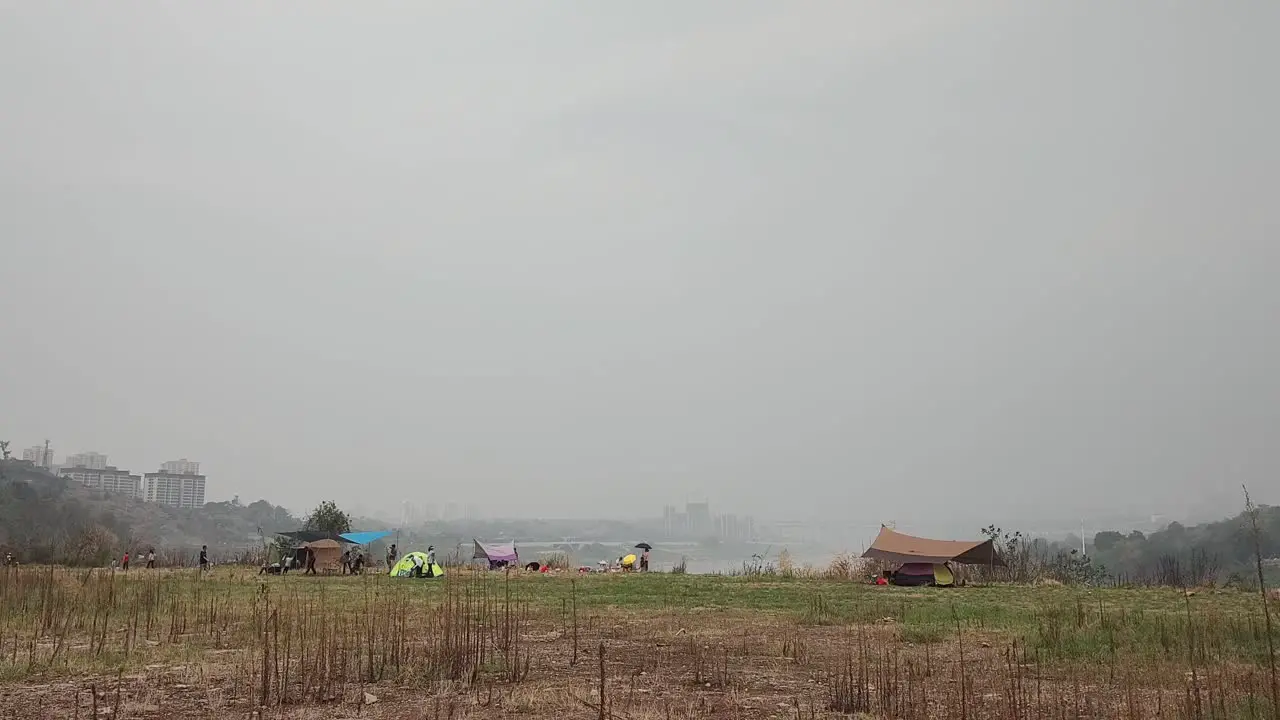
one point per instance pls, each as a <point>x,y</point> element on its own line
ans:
<point>987,260</point>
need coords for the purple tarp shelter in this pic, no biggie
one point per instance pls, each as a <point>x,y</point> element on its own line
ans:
<point>496,552</point>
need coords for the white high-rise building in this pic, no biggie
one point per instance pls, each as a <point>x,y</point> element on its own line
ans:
<point>39,456</point>
<point>183,490</point>
<point>107,479</point>
<point>180,467</point>
<point>91,460</point>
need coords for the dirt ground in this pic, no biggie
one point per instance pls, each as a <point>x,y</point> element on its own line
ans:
<point>662,647</point>
<point>685,665</point>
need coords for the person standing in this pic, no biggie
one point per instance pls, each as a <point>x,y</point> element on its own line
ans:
<point>644,560</point>
<point>346,561</point>
<point>311,562</point>
<point>204,558</point>
<point>151,559</point>
<point>124,562</point>
<point>391,556</point>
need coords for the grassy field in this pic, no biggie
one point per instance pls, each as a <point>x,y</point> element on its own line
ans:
<point>237,645</point>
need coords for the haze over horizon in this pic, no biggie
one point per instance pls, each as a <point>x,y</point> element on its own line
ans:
<point>927,263</point>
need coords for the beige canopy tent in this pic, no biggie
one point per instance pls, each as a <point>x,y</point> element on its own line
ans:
<point>895,547</point>
<point>328,554</point>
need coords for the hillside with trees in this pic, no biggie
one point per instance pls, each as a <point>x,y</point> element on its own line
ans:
<point>44,518</point>
<point>1216,552</point>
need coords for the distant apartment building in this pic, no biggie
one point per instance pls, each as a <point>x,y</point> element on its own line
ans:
<point>698,518</point>
<point>107,479</point>
<point>741,528</point>
<point>673,521</point>
<point>39,455</point>
<point>180,467</point>
<point>91,460</point>
<point>181,490</point>
<point>409,514</point>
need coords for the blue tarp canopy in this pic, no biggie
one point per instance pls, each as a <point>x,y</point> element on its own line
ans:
<point>306,536</point>
<point>364,538</point>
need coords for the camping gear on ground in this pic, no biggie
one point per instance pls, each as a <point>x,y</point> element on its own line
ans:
<point>643,546</point>
<point>498,554</point>
<point>628,562</point>
<point>327,554</point>
<point>415,564</point>
<point>922,574</point>
<point>943,577</point>
<point>532,567</point>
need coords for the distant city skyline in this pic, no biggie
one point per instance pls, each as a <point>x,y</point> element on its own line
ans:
<point>178,483</point>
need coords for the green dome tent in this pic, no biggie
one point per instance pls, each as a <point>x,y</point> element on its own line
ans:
<point>407,564</point>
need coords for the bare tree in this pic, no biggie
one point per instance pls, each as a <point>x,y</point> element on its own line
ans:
<point>1252,511</point>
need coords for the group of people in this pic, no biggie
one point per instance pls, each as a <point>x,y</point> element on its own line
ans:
<point>125,560</point>
<point>303,556</point>
<point>123,563</point>
<point>421,568</point>
<point>352,561</point>
<point>628,563</point>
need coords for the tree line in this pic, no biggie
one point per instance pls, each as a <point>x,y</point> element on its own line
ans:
<point>1217,553</point>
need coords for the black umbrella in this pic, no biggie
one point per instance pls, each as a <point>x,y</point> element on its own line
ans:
<point>643,546</point>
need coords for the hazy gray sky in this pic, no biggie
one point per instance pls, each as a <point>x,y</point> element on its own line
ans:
<point>886,260</point>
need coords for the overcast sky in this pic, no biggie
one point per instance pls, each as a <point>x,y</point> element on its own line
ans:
<point>910,261</point>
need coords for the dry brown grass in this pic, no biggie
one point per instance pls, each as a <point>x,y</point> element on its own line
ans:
<point>176,645</point>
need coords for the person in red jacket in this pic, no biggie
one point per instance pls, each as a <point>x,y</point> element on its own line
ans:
<point>124,562</point>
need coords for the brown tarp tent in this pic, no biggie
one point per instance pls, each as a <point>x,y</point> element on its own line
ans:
<point>895,547</point>
<point>328,555</point>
